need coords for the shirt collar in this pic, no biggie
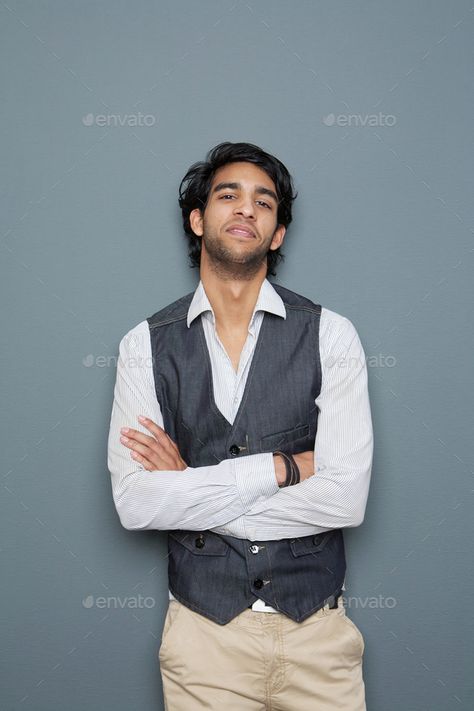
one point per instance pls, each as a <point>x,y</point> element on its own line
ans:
<point>268,300</point>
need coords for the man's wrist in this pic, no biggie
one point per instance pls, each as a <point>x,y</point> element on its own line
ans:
<point>293,474</point>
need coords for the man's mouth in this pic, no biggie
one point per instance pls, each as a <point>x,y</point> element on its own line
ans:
<point>240,231</point>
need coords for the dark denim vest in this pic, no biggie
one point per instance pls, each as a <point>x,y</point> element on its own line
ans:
<point>217,575</point>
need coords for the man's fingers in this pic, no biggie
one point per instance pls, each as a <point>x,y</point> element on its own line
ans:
<point>156,452</point>
<point>159,440</point>
<point>162,437</point>
<point>150,458</point>
<point>128,436</point>
<point>155,429</point>
<point>137,446</point>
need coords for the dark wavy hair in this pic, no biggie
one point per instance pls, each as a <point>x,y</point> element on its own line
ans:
<point>195,186</point>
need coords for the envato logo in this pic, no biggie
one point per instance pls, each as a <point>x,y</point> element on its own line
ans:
<point>116,602</point>
<point>376,601</point>
<point>381,361</point>
<point>358,120</point>
<point>111,120</point>
<point>378,360</point>
<point>90,361</point>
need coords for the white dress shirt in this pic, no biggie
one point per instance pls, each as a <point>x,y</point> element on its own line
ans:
<point>240,496</point>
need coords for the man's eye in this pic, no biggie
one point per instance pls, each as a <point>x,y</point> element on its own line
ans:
<point>261,202</point>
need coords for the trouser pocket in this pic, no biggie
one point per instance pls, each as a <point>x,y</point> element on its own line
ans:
<point>174,608</point>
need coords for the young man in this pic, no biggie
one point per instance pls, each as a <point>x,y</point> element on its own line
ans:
<point>254,453</point>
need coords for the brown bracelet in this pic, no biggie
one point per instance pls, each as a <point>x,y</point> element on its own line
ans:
<point>288,469</point>
<point>296,471</point>
<point>292,471</point>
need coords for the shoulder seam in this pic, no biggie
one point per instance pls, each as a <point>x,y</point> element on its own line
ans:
<point>166,321</point>
<point>301,307</point>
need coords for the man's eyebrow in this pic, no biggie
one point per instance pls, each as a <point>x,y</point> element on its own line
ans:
<point>260,189</point>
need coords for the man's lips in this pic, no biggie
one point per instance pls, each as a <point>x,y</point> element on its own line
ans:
<point>241,231</point>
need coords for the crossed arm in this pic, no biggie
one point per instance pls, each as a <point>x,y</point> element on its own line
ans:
<point>153,487</point>
<point>158,452</point>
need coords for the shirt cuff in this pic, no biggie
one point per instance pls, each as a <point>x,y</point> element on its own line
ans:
<point>255,478</point>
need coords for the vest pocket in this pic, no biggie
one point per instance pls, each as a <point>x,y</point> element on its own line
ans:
<point>309,544</point>
<point>274,441</point>
<point>201,542</point>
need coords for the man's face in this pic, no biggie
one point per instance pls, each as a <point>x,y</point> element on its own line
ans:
<point>239,224</point>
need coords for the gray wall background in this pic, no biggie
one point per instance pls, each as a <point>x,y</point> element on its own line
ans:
<point>369,104</point>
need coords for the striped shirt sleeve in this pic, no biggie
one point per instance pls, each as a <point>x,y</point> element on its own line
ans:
<point>196,498</point>
<point>336,495</point>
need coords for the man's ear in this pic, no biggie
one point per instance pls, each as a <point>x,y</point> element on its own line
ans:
<point>278,237</point>
<point>196,222</point>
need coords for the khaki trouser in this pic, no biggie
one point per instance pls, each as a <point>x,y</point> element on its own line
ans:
<point>261,661</point>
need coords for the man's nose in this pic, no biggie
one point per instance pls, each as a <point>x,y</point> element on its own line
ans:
<point>245,207</point>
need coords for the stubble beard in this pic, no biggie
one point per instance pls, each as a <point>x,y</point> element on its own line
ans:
<point>227,264</point>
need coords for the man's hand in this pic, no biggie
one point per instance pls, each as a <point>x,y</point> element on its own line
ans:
<point>158,452</point>
<point>304,460</point>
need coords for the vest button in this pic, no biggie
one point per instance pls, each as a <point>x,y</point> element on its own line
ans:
<point>258,583</point>
<point>234,450</point>
<point>200,542</point>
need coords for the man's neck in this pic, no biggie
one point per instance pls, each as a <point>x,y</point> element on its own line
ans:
<point>233,300</point>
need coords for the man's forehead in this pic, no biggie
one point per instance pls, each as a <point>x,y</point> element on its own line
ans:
<point>240,172</point>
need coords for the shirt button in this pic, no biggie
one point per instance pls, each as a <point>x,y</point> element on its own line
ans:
<point>234,450</point>
<point>258,583</point>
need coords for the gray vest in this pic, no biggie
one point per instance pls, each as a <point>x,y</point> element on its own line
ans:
<point>220,576</point>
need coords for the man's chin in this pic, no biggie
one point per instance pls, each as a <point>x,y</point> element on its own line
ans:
<point>237,266</point>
